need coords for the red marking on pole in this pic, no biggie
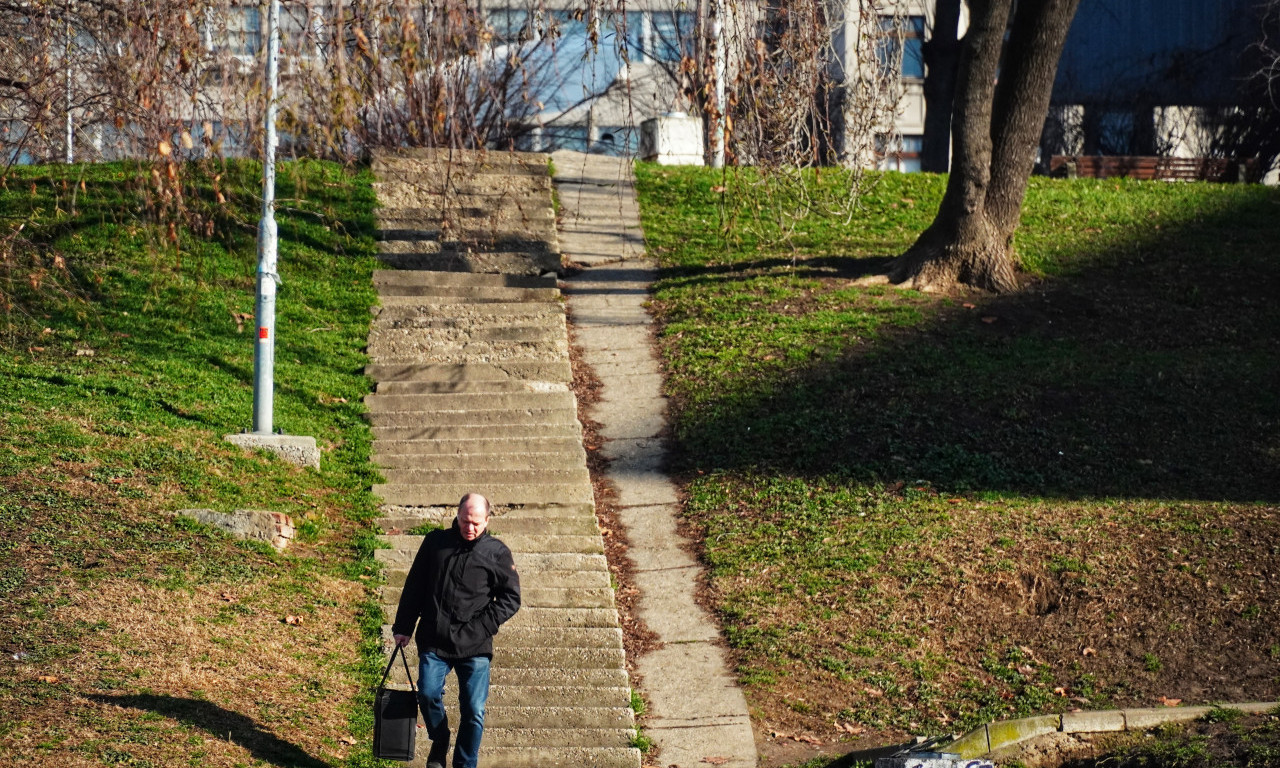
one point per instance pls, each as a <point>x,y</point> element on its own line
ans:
<point>262,333</point>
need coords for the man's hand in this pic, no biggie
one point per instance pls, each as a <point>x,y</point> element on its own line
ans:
<point>401,640</point>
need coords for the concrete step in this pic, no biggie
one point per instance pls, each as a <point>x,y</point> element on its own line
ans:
<point>434,334</point>
<point>467,387</point>
<point>481,462</point>
<point>559,579</point>
<point>553,738</point>
<point>532,238</point>
<point>477,293</point>
<point>533,596</point>
<point>475,417</point>
<point>383,345</point>
<point>454,432</point>
<point>560,658</point>
<point>523,543</point>
<point>525,561</point>
<point>382,402</point>
<point>424,207</point>
<point>551,717</point>
<point>502,525</point>
<point>559,695</point>
<point>506,262</point>
<point>448,493</point>
<point>488,174</point>
<point>412,157</point>
<point>434,324</point>
<point>538,637</point>
<point>547,617</point>
<point>383,277</point>
<point>507,354</point>
<point>459,311</point>
<point>443,514</point>
<point>574,676</point>
<point>393,449</point>
<point>559,757</point>
<point>506,370</point>
<point>410,246</point>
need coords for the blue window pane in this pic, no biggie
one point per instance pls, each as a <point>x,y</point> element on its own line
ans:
<point>673,34</point>
<point>901,46</point>
<point>509,24</point>
<point>564,137</point>
<point>569,24</point>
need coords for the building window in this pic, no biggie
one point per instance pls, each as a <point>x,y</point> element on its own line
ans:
<point>510,25</point>
<point>672,36</point>
<point>575,137</point>
<point>901,45</point>
<point>899,153</point>
<point>236,30</point>
<point>666,36</point>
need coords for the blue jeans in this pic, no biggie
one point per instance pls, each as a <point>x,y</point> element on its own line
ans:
<point>473,692</point>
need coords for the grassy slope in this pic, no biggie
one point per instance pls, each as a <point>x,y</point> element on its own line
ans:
<point>131,636</point>
<point>925,512</point>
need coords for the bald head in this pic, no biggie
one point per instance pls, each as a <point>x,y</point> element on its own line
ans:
<point>473,516</point>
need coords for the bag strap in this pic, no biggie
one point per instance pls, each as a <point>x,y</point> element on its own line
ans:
<point>404,657</point>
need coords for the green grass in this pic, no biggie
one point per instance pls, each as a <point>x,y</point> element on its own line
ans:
<point>126,352</point>
<point>928,507</point>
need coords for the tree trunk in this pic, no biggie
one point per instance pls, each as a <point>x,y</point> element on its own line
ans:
<point>995,131</point>
<point>941,55</point>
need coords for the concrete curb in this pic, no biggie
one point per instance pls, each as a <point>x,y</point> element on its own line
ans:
<point>1006,733</point>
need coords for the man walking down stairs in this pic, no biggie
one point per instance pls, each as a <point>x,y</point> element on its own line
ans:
<point>470,357</point>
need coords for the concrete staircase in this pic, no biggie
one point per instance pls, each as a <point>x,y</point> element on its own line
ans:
<point>470,357</point>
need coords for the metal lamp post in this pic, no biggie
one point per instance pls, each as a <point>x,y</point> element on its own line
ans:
<point>298,450</point>
<point>264,357</point>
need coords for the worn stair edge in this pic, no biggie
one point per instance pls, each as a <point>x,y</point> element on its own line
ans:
<point>520,542</point>
<point>593,578</point>
<point>527,370</point>
<point>502,494</point>
<point>499,525</point>
<point>540,637</point>
<point>458,432</point>
<point>485,476</point>
<point>427,307</point>
<point>559,757</point>
<point>527,462</point>
<point>452,401</point>
<point>394,277</point>
<point>495,419</point>
<point>467,387</point>
<point>596,677</point>
<point>532,596</point>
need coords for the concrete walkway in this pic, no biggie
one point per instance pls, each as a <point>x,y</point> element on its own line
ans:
<point>696,709</point>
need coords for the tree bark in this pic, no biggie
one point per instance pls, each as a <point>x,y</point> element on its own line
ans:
<point>941,55</point>
<point>995,131</point>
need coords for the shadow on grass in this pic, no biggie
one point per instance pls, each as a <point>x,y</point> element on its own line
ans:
<point>1151,370</point>
<point>222,724</point>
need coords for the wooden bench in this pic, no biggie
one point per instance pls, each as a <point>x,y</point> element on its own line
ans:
<point>1148,167</point>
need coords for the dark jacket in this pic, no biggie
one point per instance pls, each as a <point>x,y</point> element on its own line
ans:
<point>458,592</point>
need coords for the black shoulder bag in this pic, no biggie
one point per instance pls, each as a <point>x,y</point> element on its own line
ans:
<point>395,716</point>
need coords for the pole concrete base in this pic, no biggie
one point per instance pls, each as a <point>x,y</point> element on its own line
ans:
<point>294,449</point>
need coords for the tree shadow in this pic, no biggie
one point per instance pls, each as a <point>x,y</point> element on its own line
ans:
<point>221,723</point>
<point>1150,371</point>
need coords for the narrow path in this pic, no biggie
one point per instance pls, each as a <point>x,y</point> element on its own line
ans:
<point>470,356</point>
<point>697,710</point>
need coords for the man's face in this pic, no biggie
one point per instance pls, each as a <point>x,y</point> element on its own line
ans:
<point>472,521</point>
